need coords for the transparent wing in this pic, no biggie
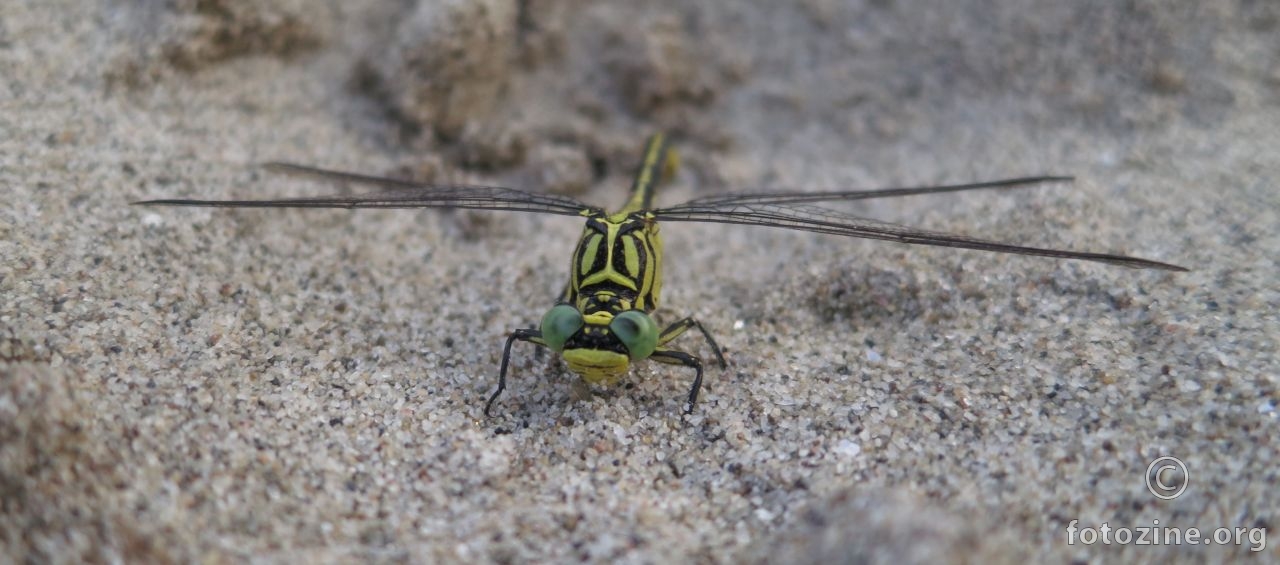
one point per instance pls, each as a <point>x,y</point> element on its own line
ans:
<point>393,193</point>
<point>822,220</point>
<point>804,197</point>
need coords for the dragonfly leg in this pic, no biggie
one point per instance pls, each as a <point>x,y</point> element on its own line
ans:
<point>530,335</point>
<point>673,357</point>
<point>676,329</point>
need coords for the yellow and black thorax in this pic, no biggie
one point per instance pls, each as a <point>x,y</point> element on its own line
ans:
<point>617,265</point>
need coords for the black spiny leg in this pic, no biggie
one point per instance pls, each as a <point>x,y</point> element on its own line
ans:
<point>676,329</point>
<point>530,335</point>
<point>673,357</point>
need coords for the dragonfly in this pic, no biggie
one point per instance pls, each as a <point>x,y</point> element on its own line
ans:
<point>603,321</point>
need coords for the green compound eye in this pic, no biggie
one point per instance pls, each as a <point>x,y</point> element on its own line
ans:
<point>637,331</point>
<point>560,323</point>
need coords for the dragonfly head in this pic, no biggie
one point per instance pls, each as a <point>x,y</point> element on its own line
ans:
<point>599,346</point>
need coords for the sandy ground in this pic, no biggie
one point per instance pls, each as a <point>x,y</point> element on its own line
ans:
<point>215,386</point>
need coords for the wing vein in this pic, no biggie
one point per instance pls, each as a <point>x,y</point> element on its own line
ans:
<point>822,220</point>
<point>397,193</point>
<point>778,197</point>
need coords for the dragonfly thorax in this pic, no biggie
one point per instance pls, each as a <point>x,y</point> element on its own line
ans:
<point>617,265</point>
